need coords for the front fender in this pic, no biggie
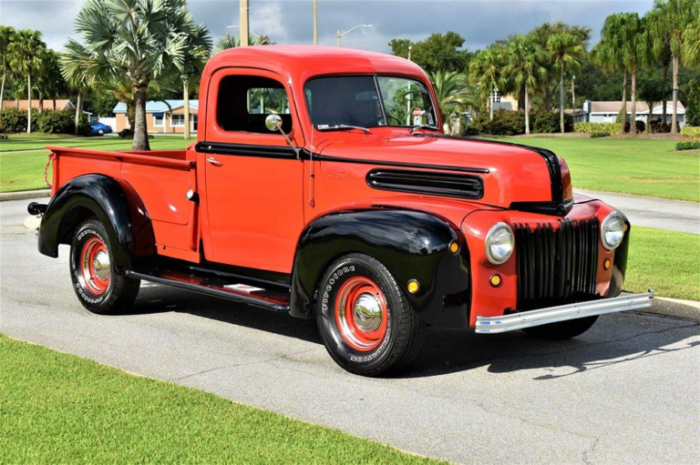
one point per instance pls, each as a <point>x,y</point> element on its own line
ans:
<point>410,244</point>
<point>116,206</point>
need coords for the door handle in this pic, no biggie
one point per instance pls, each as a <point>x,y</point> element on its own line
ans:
<point>214,161</point>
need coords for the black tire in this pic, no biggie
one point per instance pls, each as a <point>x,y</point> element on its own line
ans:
<point>562,330</point>
<point>402,337</point>
<point>112,295</point>
<point>100,132</point>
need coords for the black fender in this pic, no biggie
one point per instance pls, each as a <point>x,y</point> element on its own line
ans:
<point>620,261</point>
<point>115,204</point>
<point>410,244</point>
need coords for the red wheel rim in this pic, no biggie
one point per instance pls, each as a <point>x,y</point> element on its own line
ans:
<point>95,268</point>
<point>361,314</point>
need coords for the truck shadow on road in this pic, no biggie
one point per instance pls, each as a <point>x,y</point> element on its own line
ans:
<point>614,339</point>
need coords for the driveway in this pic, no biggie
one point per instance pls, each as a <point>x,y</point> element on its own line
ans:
<point>625,392</point>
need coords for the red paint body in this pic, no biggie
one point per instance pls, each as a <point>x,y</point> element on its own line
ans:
<point>252,210</point>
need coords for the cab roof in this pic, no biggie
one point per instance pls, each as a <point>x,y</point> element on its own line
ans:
<point>300,62</point>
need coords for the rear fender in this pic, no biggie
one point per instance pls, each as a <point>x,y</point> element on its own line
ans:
<point>410,244</point>
<point>115,204</point>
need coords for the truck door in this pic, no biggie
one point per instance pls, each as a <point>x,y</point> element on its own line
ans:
<point>254,205</point>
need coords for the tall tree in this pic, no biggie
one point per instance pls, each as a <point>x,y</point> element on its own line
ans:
<point>609,54</point>
<point>7,35</point>
<point>438,52</point>
<point>453,93</point>
<point>566,49</point>
<point>677,16</point>
<point>233,41</point>
<point>139,40</point>
<point>198,51</point>
<point>26,51</point>
<point>660,42</point>
<point>486,70</point>
<point>526,68</point>
<point>77,69</point>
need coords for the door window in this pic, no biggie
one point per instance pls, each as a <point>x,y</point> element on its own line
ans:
<point>245,101</point>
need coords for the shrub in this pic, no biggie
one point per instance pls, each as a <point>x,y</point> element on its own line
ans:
<point>126,133</point>
<point>692,103</point>
<point>641,126</point>
<point>596,135</point>
<point>61,122</point>
<point>690,131</point>
<point>590,128</point>
<point>13,120</point>
<point>688,145</point>
<point>659,127</point>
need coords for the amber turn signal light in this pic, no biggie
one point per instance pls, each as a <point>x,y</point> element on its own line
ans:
<point>413,286</point>
<point>454,247</point>
<point>606,264</point>
<point>495,280</point>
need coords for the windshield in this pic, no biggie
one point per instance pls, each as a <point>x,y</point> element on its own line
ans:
<point>338,101</point>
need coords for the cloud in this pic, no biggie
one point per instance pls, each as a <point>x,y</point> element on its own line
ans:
<point>290,21</point>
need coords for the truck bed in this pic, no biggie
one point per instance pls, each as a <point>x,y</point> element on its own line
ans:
<point>161,179</point>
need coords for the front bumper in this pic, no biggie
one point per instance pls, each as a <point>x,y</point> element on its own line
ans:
<point>543,316</point>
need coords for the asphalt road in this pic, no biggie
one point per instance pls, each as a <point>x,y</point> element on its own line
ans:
<point>675,215</point>
<point>625,392</point>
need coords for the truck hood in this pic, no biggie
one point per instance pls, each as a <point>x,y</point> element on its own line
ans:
<point>511,174</point>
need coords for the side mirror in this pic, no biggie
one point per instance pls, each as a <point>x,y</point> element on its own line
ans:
<point>273,122</point>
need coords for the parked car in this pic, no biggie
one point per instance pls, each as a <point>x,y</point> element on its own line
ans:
<point>315,190</point>
<point>99,129</point>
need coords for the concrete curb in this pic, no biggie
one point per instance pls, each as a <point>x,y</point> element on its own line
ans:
<point>23,195</point>
<point>677,308</point>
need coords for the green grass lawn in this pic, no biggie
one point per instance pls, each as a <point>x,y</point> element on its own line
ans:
<point>25,170</point>
<point>667,261</point>
<point>642,166</point>
<point>58,408</point>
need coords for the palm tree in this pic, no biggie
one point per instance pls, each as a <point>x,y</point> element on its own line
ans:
<point>137,41</point>
<point>76,68</point>
<point>26,51</point>
<point>454,94</point>
<point>691,45</point>
<point>566,50</point>
<point>486,69</point>
<point>525,66</point>
<point>233,41</point>
<point>660,48</point>
<point>198,52</point>
<point>7,36</point>
<point>677,17</point>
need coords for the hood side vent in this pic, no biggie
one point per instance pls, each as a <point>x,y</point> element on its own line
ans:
<point>427,182</point>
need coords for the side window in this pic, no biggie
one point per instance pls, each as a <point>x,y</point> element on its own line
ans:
<point>245,101</point>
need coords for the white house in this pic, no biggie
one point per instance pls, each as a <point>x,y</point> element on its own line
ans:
<point>606,112</point>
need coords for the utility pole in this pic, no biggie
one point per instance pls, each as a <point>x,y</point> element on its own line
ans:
<point>315,22</point>
<point>340,35</point>
<point>408,95</point>
<point>244,23</point>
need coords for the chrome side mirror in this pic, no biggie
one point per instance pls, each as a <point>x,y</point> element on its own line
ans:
<point>273,123</point>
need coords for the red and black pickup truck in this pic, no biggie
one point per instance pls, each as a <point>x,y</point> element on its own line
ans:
<point>321,185</point>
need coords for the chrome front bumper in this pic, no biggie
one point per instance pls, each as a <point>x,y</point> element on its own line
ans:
<point>543,316</point>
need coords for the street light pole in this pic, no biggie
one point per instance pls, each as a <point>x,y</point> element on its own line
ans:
<point>340,35</point>
<point>315,22</point>
<point>244,23</point>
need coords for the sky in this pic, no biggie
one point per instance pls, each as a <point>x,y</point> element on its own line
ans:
<point>290,21</point>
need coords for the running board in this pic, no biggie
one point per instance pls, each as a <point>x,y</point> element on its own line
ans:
<point>242,293</point>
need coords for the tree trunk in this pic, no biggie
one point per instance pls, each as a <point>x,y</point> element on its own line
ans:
<point>140,127</point>
<point>674,117</point>
<point>2,89</point>
<point>527,111</point>
<point>131,115</point>
<point>633,122</point>
<point>186,99</point>
<point>624,102</point>
<point>41,103</point>
<point>561,99</point>
<point>29,103</point>
<point>663,105</point>
<point>79,104</point>
<point>491,99</point>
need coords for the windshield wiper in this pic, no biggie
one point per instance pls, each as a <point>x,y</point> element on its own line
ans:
<point>424,126</point>
<point>341,127</point>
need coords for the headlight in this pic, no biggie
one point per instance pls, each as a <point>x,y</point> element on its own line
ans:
<point>499,243</point>
<point>612,231</point>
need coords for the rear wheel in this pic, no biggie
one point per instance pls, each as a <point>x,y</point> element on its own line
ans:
<point>101,132</point>
<point>97,286</point>
<point>365,320</point>
<point>562,330</point>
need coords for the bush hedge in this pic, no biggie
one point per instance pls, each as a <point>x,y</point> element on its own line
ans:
<point>659,127</point>
<point>511,123</point>
<point>592,128</point>
<point>688,145</point>
<point>690,131</point>
<point>596,135</point>
<point>13,120</point>
<point>61,122</point>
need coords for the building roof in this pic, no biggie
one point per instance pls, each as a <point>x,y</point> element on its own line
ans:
<point>48,104</point>
<point>642,107</point>
<point>159,106</point>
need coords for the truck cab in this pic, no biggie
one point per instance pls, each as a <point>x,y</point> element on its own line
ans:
<point>322,185</point>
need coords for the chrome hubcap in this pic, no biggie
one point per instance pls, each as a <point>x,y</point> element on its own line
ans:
<point>367,312</point>
<point>101,265</point>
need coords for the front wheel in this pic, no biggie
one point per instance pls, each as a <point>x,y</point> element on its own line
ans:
<point>365,320</point>
<point>97,286</point>
<point>562,330</point>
